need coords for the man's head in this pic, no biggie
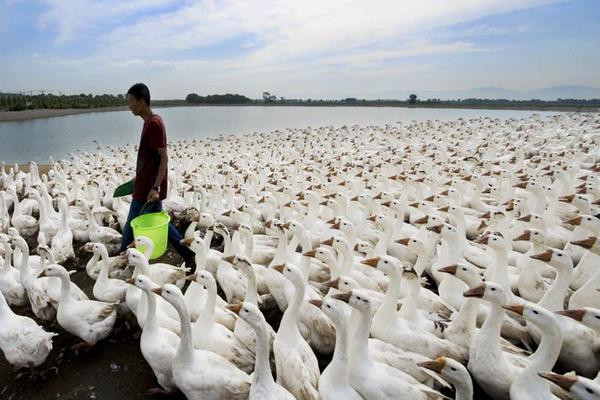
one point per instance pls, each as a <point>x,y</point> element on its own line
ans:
<point>138,98</point>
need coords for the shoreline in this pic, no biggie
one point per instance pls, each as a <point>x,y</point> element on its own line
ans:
<point>27,115</point>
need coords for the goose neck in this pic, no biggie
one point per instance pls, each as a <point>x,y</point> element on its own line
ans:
<point>554,297</point>
<point>262,371</point>
<point>65,289</point>
<point>339,362</point>
<point>151,322</point>
<point>289,320</point>
<point>251,291</point>
<point>186,347</point>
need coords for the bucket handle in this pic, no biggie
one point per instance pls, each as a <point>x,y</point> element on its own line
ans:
<point>144,206</point>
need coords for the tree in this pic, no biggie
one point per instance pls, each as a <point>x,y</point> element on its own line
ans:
<point>268,98</point>
<point>412,99</point>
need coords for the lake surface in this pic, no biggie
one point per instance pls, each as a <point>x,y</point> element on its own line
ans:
<point>35,140</point>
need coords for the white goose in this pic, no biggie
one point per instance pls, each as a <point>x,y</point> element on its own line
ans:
<point>578,387</point>
<point>23,222</point>
<point>580,344</point>
<point>89,320</point>
<point>195,294</point>
<point>333,383</point>
<point>296,365</point>
<point>263,386</point>
<point>201,374</point>
<point>105,288</point>
<point>10,284</point>
<point>589,317</point>
<point>455,373</point>
<point>62,242</point>
<point>242,330</point>
<point>158,345</point>
<point>24,343</point>
<point>586,295</point>
<point>389,327</point>
<point>528,385</point>
<point>490,366</point>
<point>208,335</point>
<point>373,380</point>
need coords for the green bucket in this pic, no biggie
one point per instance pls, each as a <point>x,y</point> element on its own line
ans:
<point>154,226</point>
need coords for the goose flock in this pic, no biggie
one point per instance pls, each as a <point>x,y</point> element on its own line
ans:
<point>426,260</point>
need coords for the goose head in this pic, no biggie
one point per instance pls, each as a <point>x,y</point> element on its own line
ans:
<point>413,243</point>
<point>355,298</point>
<point>538,315</point>
<point>135,257</point>
<point>467,273</point>
<point>555,258</point>
<point>205,220</point>
<point>495,241</point>
<point>533,219</point>
<point>579,387</point>
<point>432,222</point>
<point>380,221</point>
<point>92,247</point>
<point>204,278</point>
<point>249,313</point>
<point>363,247</point>
<point>332,308</point>
<point>143,282</point>
<point>291,272</point>
<point>172,294</point>
<point>338,243</point>
<point>588,316</point>
<point>588,222</point>
<point>322,254</point>
<point>449,232</point>
<point>295,227</point>
<point>447,368</point>
<point>244,229</point>
<point>55,270</point>
<point>387,264</point>
<point>535,236</point>
<point>220,229</point>
<point>239,262</point>
<point>196,244</point>
<point>141,241</point>
<point>343,284</point>
<point>489,291</point>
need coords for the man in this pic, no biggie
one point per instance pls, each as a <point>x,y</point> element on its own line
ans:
<point>150,184</point>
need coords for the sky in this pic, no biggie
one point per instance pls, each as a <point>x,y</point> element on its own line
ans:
<point>325,49</point>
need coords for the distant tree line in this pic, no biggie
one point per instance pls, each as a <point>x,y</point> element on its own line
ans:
<point>19,101</point>
<point>217,99</point>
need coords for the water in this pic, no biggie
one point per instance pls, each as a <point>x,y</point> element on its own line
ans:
<point>35,140</point>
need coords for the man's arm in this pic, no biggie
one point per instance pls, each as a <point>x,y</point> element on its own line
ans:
<point>162,170</point>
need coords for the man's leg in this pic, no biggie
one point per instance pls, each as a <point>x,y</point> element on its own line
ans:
<point>134,211</point>
<point>175,239</point>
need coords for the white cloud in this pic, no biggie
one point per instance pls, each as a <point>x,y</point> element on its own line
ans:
<point>287,45</point>
<point>73,18</point>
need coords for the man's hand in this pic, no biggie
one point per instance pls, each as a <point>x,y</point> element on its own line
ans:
<point>153,196</point>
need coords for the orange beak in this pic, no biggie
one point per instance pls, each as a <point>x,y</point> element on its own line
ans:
<point>371,262</point>
<point>545,256</point>
<point>450,269</point>
<point>477,291</point>
<point>516,308</point>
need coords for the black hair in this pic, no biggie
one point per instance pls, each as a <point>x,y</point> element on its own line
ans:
<point>140,91</point>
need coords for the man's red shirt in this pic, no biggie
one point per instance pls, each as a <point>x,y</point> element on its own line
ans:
<point>153,137</point>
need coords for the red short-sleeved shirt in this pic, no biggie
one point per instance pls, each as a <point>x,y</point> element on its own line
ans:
<point>153,137</point>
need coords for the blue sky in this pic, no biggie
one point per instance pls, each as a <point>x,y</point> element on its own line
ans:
<point>309,48</point>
